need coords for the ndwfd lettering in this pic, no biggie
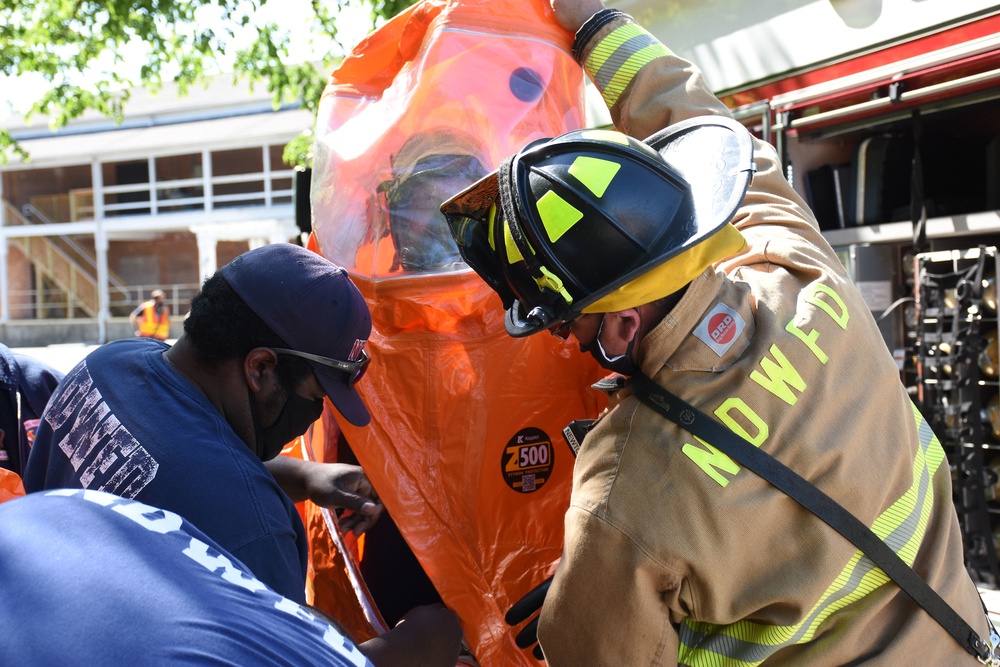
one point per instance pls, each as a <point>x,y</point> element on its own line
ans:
<point>103,452</point>
<point>778,376</point>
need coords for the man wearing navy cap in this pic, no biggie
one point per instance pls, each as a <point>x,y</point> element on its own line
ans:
<point>189,428</point>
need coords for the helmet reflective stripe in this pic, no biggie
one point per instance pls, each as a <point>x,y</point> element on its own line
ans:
<point>491,219</point>
<point>594,173</point>
<point>513,253</point>
<point>615,61</point>
<point>558,215</point>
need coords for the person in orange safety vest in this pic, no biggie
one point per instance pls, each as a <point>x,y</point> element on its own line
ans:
<point>152,318</point>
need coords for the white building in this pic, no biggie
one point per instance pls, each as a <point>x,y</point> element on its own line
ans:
<point>103,213</point>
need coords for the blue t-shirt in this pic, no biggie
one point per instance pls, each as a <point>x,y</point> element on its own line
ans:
<point>124,421</point>
<point>87,578</point>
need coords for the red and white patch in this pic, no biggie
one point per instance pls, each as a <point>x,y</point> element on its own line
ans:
<point>30,427</point>
<point>720,328</point>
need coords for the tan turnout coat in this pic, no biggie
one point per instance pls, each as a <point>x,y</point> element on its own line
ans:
<point>674,554</point>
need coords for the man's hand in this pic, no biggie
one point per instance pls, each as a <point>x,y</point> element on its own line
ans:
<point>428,636</point>
<point>571,14</point>
<point>331,485</point>
<point>339,485</point>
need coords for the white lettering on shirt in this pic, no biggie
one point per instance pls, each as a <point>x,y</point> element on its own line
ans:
<point>103,452</point>
<point>164,522</point>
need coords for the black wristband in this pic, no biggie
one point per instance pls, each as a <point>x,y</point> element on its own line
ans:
<point>590,28</point>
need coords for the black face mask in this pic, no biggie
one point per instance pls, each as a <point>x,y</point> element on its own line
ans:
<point>299,412</point>
<point>623,364</point>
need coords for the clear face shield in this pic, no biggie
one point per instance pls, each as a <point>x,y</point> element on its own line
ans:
<point>419,230</point>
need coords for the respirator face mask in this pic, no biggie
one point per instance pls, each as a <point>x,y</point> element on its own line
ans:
<point>623,363</point>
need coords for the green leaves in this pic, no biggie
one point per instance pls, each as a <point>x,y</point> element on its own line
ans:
<point>92,53</point>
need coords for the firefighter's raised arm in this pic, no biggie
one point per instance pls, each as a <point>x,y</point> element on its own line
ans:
<point>647,88</point>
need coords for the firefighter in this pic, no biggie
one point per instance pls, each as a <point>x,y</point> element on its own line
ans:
<point>152,318</point>
<point>689,258</point>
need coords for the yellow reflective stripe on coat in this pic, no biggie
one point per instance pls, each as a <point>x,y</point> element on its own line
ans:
<point>615,61</point>
<point>901,526</point>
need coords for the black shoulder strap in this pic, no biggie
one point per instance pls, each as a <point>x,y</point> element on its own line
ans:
<point>763,464</point>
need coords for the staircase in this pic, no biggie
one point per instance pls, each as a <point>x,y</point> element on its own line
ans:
<point>56,263</point>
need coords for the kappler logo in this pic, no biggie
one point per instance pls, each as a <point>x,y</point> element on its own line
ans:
<point>527,460</point>
<point>722,328</point>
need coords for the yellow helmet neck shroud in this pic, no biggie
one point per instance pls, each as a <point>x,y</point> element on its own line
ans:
<point>672,275</point>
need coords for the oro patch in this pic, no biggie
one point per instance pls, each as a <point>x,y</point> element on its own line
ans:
<point>720,328</point>
<point>527,460</point>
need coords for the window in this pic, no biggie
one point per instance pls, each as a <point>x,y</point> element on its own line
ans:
<point>126,188</point>
<point>179,185</point>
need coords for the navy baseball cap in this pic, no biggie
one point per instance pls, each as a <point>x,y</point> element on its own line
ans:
<point>313,306</point>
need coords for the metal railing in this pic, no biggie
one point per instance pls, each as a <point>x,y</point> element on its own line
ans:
<point>52,303</point>
<point>259,189</point>
<point>67,274</point>
<point>31,212</point>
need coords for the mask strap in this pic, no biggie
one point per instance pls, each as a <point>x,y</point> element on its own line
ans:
<point>628,349</point>
<point>258,430</point>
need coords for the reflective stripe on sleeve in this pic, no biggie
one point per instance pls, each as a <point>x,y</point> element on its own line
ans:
<point>615,61</point>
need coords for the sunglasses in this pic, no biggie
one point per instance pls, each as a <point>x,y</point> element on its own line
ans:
<point>562,331</point>
<point>355,370</point>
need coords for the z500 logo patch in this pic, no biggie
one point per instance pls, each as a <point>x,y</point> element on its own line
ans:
<point>527,460</point>
<point>720,328</point>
